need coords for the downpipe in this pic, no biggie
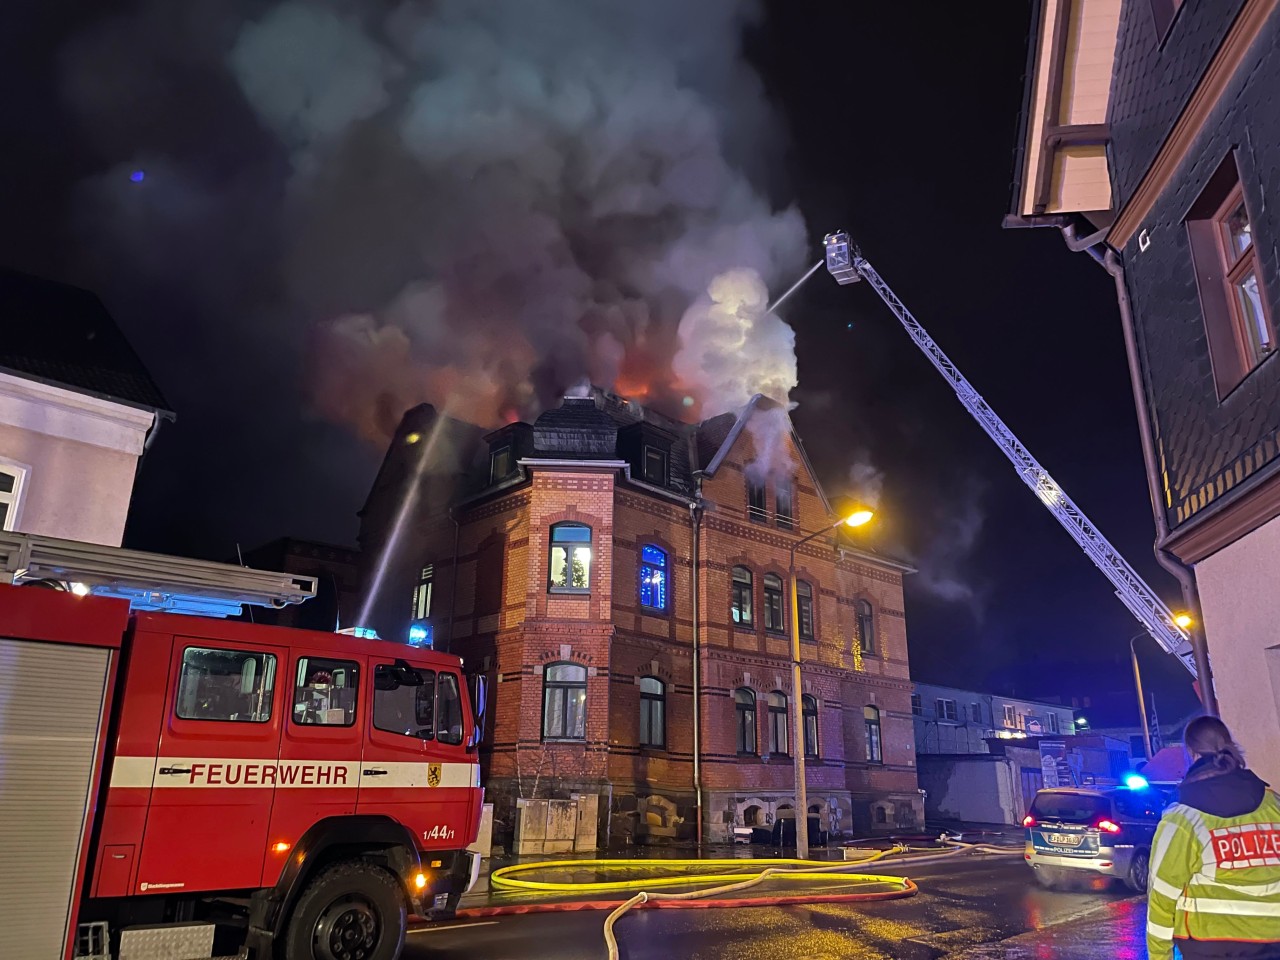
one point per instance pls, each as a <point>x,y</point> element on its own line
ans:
<point>695,520</point>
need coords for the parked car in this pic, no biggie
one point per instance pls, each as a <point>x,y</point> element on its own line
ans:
<point>1072,833</point>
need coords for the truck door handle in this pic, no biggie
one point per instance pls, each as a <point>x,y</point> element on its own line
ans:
<point>375,773</point>
<point>173,771</point>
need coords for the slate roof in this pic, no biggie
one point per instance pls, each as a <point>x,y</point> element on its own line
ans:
<point>63,335</point>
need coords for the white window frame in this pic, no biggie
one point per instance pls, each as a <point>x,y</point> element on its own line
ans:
<point>945,709</point>
<point>13,498</point>
<point>1010,716</point>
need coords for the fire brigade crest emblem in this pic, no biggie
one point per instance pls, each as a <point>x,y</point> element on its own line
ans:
<point>433,775</point>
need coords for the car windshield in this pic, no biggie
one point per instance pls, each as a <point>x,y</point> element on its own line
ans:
<point>1070,807</point>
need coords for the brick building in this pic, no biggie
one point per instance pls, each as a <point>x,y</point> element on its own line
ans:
<point>1150,140</point>
<point>609,561</point>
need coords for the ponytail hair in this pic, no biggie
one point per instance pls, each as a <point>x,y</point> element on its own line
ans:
<point>1209,737</point>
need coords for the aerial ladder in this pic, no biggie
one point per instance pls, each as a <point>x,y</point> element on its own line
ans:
<point>845,262</point>
<point>149,581</point>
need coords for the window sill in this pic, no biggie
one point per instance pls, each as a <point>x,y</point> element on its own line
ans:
<point>813,640</point>
<point>748,755</point>
<point>648,749</point>
<point>564,739</point>
<point>783,525</point>
<point>760,520</point>
<point>654,611</point>
<point>776,633</point>
<point>570,591</point>
<point>745,627</point>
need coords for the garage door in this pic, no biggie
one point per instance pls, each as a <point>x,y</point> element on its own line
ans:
<point>50,703</point>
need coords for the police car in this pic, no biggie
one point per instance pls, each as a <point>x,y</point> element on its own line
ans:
<point>1073,833</point>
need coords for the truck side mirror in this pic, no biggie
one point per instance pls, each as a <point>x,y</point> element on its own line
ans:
<point>479,701</point>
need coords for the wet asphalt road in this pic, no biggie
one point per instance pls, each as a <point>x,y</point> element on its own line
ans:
<point>975,911</point>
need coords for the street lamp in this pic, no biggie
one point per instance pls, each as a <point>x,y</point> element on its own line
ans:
<point>856,518</point>
<point>1142,700</point>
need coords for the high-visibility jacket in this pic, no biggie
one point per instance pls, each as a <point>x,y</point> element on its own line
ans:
<point>1214,878</point>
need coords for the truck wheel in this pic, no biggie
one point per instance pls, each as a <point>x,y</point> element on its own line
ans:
<point>1139,870</point>
<point>351,911</point>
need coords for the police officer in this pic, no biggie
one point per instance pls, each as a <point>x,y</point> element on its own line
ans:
<point>1214,889</point>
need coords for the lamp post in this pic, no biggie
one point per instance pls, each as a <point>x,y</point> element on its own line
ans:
<point>855,519</point>
<point>1142,700</point>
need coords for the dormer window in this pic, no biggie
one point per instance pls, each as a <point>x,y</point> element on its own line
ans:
<point>501,463</point>
<point>655,465</point>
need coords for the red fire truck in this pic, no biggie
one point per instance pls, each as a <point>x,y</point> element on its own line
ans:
<point>174,785</point>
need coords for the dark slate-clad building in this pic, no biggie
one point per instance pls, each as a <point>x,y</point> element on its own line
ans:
<point>621,578</point>
<point>1151,139</point>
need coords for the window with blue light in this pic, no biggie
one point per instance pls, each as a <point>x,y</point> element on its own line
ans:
<point>653,578</point>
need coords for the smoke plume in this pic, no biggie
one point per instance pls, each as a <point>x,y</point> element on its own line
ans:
<point>866,480</point>
<point>484,201</point>
<point>945,566</point>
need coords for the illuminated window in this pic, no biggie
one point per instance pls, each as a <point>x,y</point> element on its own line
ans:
<point>422,593</point>
<point>655,465</point>
<point>570,558</point>
<point>774,619</point>
<point>1229,278</point>
<point>741,604</point>
<point>1010,715</point>
<point>778,742</point>
<point>653,578</point>
<point>866,627</point>
<point>564,702</point>
<point>784,497</point>
<point>233,685</point>
<point>755,502</point>
<point>11,479</point>
<point>501,464</point>
<point>871,721</point>
<point>809,706</point>
<point>653,713</point>
<point>804,603</point>
<point>744,703</point>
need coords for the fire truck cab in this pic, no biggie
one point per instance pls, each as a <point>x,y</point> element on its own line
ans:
<point>219,786</point>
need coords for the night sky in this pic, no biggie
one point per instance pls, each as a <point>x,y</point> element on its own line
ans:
<point>895,126</point>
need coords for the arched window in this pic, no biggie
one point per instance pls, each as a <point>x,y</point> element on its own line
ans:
<point>653,713</point>
<point>742,602</point>
<point>564,702</point>
<point>866,627</point>
<point>871,720</point>
<point>773,616</point>
<point>745,705</point>
<point>751,816</point>
<point>570,570</point>
<point>881,815</point>
<point>653,577</point>
<point>810,708</point>
<point>778,723</point>
<point>804,603</point>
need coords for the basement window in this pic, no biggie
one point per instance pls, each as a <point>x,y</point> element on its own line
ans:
<point>1233,301</point>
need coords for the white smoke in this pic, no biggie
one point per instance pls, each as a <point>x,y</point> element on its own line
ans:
<point>946,564</point>
<point>866,480</point>
<point>499,198</point>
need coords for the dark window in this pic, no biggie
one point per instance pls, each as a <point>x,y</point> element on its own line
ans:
<point>501,464</point>
<point>324,692</point>
<point>1138,745</point>
<point>1232,299</point>
<point>422,593</point>
<point>916,706</point>
<point>448,709</point>
<point>1163,12</point>
<point>809,706</point>
<point>975,713</point>
<point>881,815</point>
<point>1053,723</point>
<point>946,709</point>
<point>226,685</point>
<point>1070,807</point>
<point>871,720</point>
<point>740,607</point>
<point>570,558</point>
<point>804,603</point>
<point>774,618</point>
<point>653,713</point>
<point>866,627</point>
<point>744,702</point>
<point>653,578</point>
<point>404,700</point>
<point>755,502</point>
<point>778,742</point>
<point>564,702</point>
<point>784,497</point>
<point>655,465</point>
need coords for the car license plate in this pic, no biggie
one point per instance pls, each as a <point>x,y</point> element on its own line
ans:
<point>1065,844</point>
<point>1064,839</point>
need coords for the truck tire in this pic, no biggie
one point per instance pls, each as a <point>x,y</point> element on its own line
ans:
<point>350,911</point>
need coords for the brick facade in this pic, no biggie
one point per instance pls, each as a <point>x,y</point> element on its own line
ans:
<point>506,620</point>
